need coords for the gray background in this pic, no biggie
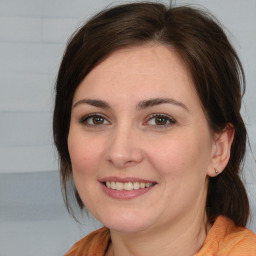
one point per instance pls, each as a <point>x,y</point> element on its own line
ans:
<point>33,220</point>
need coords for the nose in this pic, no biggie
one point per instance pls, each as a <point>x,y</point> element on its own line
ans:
<point>124,148</point>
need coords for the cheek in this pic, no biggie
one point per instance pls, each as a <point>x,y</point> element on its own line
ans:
<point>182,163</point>
<point>84,153</point>
<point>85,157</point>
<point>182,153</point>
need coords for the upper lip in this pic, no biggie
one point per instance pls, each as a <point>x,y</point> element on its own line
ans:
<point>125,179</point>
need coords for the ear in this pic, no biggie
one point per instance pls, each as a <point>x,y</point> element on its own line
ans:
<point>221,150</point>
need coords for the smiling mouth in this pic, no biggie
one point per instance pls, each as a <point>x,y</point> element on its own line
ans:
<point>127,185</point>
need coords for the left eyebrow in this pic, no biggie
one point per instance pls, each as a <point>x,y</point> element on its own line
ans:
<point>93,102</point>
<point>157,101</point>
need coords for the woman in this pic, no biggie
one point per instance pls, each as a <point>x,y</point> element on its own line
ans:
<point>147,125</point>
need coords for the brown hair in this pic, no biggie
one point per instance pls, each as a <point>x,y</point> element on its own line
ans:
<point>214,66</point>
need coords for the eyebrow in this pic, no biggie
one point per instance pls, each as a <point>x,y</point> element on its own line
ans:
<point>141,105</point>
<point>157,101</point>
<point>95,103</point>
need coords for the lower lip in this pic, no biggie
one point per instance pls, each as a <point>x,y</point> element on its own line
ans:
<point>125,194</point>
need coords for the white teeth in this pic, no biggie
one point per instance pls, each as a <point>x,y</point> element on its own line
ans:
<point>136,185</point>
<point>113,185</point>
<point>127,185</point>
<point>119,186</point>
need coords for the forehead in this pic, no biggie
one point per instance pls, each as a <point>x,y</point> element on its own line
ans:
<point>141,71</point>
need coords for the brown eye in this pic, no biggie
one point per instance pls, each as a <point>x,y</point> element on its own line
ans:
<point>98,120</point>
<point>94,120</point>
<point>160,120</point>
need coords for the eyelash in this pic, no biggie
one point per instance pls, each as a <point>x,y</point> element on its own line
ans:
<point>84,119</point>
<point>170,120</point>
<point>167,118</point>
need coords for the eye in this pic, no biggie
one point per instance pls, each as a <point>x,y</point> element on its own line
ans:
<point>160,120</point>
<point>94,120</point>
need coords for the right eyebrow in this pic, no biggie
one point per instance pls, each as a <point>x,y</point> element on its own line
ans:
<point>95,103</point>
<point>158,101</point>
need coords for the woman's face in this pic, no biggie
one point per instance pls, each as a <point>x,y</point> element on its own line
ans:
<point>139,141</point>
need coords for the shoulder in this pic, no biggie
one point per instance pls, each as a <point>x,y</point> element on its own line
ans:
<point>95,243</point>
<point>225,238</point>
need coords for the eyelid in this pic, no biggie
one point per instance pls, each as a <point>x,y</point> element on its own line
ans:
<point>167,117</point>
<point>86,117</point>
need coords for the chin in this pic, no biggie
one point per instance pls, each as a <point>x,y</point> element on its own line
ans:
<point>130,227</point>
<point>127,222</point>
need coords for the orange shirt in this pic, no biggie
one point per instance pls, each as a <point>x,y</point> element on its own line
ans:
<point>223,239</point>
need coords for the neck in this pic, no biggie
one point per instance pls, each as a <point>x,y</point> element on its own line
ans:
<point>180,239</point>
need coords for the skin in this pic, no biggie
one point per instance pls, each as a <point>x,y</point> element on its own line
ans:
<point>178,153</point>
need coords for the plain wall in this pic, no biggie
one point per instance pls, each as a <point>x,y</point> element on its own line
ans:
<point>33,34</point>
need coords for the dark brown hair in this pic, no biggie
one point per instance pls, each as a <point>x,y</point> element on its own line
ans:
<point>214,66</point>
